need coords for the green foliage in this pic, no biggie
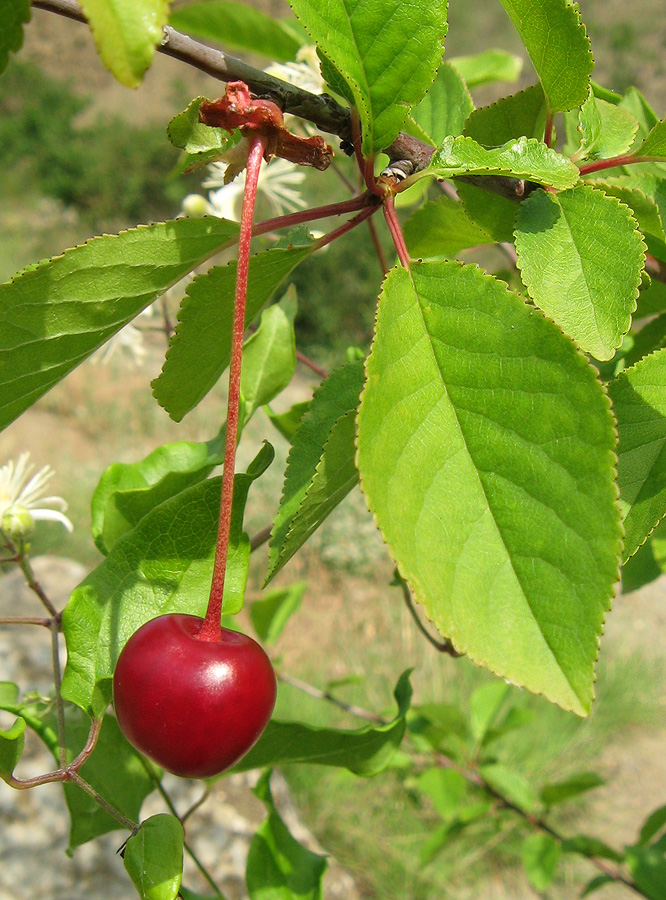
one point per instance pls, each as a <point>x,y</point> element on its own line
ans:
<point>558,46</point>
<point>200,348</point>
<point>126,34</point>
<point>365,751</point>
<point>271,614</point>
<point>200,143</point>
<point>637,401</point>
<point>154,858</point>
<point>129,270</point>
<point>483,381</point>
<point>239,27</point>
<point>490,450</point>
<point>521,158</point>
<point>278,867</point>
<point>592,303</point>
<point>384,79</point>
<point>446,106</point>
<point>13,14</point>
<point>320,470</point>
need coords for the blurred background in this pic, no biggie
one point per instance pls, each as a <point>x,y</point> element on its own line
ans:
<point>81,155</point>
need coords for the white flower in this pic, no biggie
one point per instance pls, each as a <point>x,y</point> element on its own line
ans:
<point>277,184</point>
<point>305,73</point>
<point>21,501</point>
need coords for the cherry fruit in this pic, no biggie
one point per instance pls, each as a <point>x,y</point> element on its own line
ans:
<point>193,705</point>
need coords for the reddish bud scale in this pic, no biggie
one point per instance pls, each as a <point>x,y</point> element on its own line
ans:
<point>195,707</point>
<point>237,110</point>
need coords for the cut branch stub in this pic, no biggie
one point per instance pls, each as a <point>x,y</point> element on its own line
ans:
<point>238,110</point>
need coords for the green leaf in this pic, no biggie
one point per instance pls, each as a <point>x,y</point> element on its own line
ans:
<point>201,143</point>
<point>239,27</point>
<point>319,468</point>
<point>574,786</point>
<point>581,258</point>
<point>200,348</point>
<point>605,129</point>
<point>651,337</point>
<point>128,491</point>
<point>11,747</point>
<point>442,228</point>
<point>647,563</point>
<point>154,858</point>
<point>652,826</point>
<point>485,704</point>
<point>520,115</point>
<point>651,300</point>
<point>14,14</point>
<point>384,56</point>
<point>648,869</point>
<point>509,784</point>
<point>516,717</point>
<point>49,322</point>
<point>495,214</point>
<point>595,883</point>
<point>126,34</point>
<point>654,144</point>
<point>434,724</point>
<point>287,423</point>
<point>558,46</point>
<point>445,107</point>
<point>278,867</point>
<point>114,770</point>
<point>269,355</point>
<point>365,751</point>
<point>541,854</point>
<point>446,788</point>
<point>519,158</point>
<point>486,448</point>
<point>640,408</point>
<point>270,615</point>
<point>164,565</point>
<point>643,206</point>
<point>488,67</point>
<point>588,846</point>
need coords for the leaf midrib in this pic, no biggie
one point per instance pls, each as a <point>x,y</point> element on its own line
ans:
<point>485,494</point>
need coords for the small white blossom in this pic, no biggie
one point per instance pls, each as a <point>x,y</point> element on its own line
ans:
<point>278,184</point>
<point>128,343</point>
<point>21,500</point>
<point>304,73</point>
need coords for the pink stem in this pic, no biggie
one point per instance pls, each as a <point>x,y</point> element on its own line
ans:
<point>396,231</point>
<point>345,227</point>
<point>627,160</point>
<point>211,629</point>
<point>317,212</point>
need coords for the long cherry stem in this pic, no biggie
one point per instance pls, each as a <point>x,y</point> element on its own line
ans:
<point>211,629</point>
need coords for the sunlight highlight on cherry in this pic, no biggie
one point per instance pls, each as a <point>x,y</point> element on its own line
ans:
<point>194,706</point>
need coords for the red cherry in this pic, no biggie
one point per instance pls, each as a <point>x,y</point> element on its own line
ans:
<point>194,706</point>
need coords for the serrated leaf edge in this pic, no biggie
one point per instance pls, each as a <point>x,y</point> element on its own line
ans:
<point>642,245</point>
<point>314,480</point>
<point>582,358</point>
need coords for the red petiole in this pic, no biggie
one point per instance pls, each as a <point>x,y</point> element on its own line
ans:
<point>211,629</point>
